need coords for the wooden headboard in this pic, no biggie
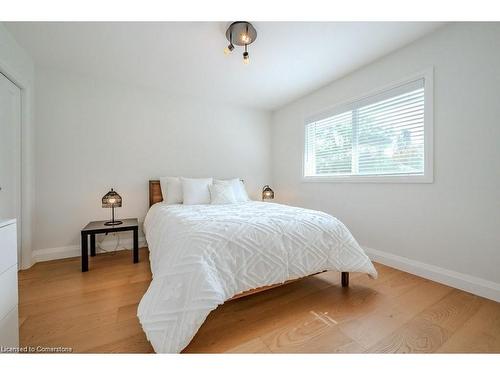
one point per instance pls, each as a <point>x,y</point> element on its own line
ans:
<point>155,195</point>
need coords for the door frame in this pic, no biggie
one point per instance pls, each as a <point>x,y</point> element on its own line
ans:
<point>26,85</point>
<point>17,159</point>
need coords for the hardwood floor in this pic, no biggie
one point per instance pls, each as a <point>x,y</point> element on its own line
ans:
<point>96,312</point>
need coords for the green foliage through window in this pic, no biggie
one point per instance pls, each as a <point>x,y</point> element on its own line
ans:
<point>384,137</point>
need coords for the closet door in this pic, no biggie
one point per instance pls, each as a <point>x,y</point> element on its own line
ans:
<point>10,151</point>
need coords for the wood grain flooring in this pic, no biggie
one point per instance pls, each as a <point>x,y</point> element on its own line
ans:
<point>397,313</point>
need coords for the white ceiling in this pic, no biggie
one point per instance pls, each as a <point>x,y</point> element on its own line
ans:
<point>288,59</point>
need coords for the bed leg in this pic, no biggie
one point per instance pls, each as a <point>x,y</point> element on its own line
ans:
<point>345,279</point>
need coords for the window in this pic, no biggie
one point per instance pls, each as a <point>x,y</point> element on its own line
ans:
<point>381,137</point>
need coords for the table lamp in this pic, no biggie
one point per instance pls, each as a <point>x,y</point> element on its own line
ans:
<point>267,193</point>
<point>111,200</point>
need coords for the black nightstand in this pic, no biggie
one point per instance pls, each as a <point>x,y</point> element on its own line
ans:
<point>98,227</point>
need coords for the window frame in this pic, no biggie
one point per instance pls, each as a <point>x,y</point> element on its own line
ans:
<point>428,176</point>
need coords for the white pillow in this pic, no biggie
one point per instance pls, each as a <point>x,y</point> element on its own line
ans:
<point>238,187</point>
<point>171,189</point>
<point>195,190</point>
<point>221,194</point>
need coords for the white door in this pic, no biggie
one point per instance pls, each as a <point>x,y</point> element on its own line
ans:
<point>10,153</point>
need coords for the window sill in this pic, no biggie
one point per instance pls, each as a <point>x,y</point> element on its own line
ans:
<point>372,179</point>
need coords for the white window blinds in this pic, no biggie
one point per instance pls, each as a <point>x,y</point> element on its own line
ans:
<point>382,135</point>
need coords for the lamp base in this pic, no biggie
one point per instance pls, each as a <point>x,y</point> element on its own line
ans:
<point>116,222</point>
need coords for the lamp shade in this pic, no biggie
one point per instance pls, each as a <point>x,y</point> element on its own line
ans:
<point>267,193</point>
<point>111,199</point>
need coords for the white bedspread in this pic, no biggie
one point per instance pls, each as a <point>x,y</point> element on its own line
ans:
<point>202,255</point>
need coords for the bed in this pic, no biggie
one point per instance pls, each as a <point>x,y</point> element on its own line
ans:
<point>204,255</point>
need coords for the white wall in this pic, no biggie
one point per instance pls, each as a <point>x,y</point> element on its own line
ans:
<point>452,223</point>
<point>14,57</point>
<point>94,135</point>
<point>18,66</point>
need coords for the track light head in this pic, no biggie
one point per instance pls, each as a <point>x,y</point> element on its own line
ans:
<point>229,49</point>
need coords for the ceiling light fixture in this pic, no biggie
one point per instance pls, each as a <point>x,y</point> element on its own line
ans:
<point>240,33</point>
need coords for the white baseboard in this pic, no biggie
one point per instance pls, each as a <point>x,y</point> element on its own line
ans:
<point>43,255</point>
<point>475,285</point>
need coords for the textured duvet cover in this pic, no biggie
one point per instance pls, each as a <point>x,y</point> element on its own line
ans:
<point>202,255</point>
